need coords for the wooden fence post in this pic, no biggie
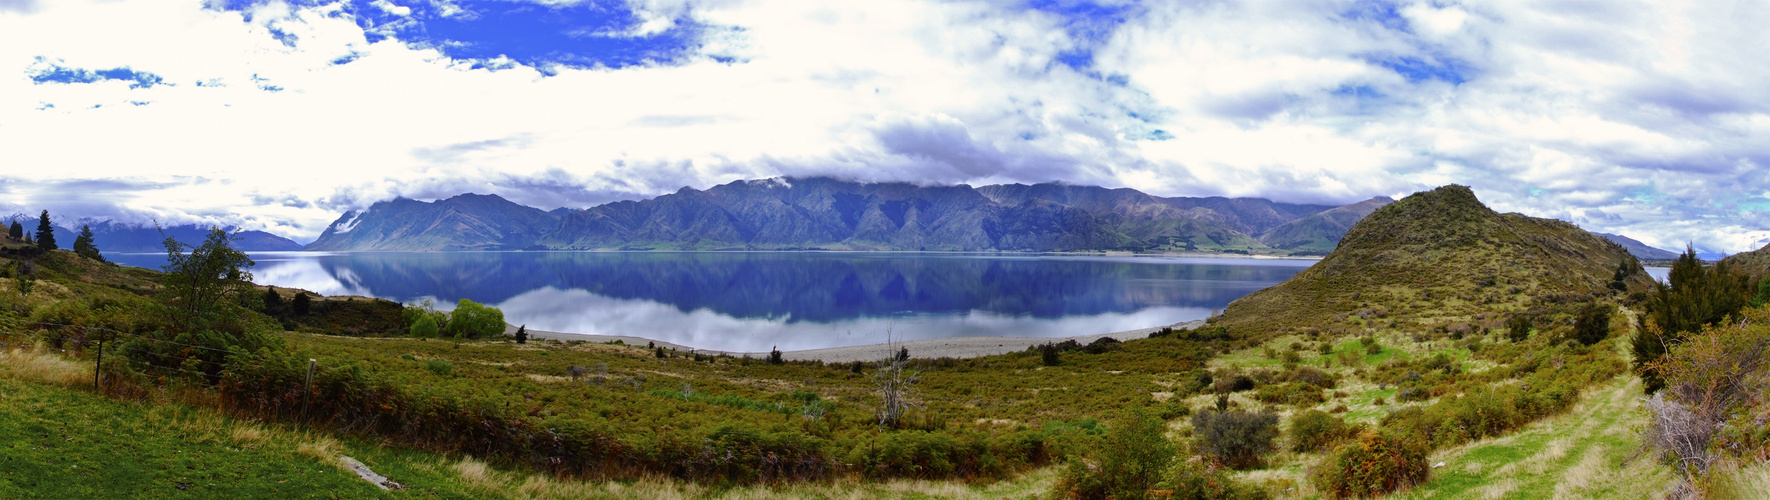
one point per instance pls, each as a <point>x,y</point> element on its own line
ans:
<point>307,389</point>
<point>96,364</point>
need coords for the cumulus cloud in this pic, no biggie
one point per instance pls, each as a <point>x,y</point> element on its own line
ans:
<point>1646,119</point>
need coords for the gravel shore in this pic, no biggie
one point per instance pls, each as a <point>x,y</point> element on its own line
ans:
<point>958,347</point>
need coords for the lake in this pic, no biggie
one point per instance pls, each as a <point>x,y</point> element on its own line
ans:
<point>741,301</point>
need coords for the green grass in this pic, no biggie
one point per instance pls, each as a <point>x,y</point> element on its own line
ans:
<point>1585,453</point>
<point>57,442</point>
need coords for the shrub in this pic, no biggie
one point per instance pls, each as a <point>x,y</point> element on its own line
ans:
<point>301,304</point>
<point>1203,479</point>
<point>1518,328</point>
<point>1372,465</point>
<point>1315,430</point>
<point>1593,323</point>
<point>1312,376</point>
<point>1237,438</point>
<point>439,367</point>
<point>1102,345</point>
<point>1236,383</point>
<point>424,327</point>
<point>1049,355</point>
<point>1291,393</point>
<point>1130,460</point>
<point>774,356</point>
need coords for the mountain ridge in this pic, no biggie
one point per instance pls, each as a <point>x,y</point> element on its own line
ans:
<point>802,213</point>
<point>1434,258</point>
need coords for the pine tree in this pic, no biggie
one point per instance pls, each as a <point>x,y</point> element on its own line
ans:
<point>45,232</point>
<point>83,244</point>
<point>522,334</point>
<point>17,232</point>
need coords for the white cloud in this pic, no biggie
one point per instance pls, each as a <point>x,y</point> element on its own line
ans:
<point>1641,112</point>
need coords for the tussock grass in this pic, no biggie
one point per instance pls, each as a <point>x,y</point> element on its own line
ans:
<point>36,363</point>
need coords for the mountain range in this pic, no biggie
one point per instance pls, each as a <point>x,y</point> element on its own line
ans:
<point>121,237</point>
<point>823,213</point>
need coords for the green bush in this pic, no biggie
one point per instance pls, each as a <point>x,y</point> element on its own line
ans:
<point>439,367</point>
<point>1202,479</point>
<point>1314,430</point>
<point>1237,438</point>
<point>1593,323</point>
<point>424,327</point>
<point>1518,328</point>
<point>473,320</point>
<point>1372,465</point>
<point>1129,461</point>
<point>1290,393</point>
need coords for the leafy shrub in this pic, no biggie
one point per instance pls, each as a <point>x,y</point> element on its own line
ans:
<point>1235,383</point>
<point>1130,460</point>
<point>1312,376</point>
<point>1237,438</point>
<point>1290,393</point>
<point>424,327</point>
<point>1102,345</point>
<point>1048,354</point>
<point>1518,328</point>
<point>439,367</point>
<point>1593,323</point>
<point>1200,478</point>
<point>1314,430</point>
<point>1372,465</point>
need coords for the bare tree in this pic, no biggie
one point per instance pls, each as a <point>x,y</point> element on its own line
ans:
<point>894,381</point>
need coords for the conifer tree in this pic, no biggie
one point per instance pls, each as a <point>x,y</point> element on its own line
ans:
<point>17,232</point>
<point>45,233</point>
<point>83,244</point>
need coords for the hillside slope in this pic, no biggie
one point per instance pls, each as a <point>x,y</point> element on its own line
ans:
<point>465,222</point>
<point>1319,233</point>
<point>1638,249</point>
<point>1433,258</point>
<point>1755,262</point>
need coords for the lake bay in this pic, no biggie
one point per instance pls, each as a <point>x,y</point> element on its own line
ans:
<point>741,301</point>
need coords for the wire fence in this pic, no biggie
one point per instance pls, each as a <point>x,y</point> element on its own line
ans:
<point>181,354</point>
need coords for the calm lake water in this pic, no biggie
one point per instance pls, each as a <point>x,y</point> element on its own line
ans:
<point>755,301</point>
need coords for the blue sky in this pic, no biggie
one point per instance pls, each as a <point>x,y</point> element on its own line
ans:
<point>1648,119</point>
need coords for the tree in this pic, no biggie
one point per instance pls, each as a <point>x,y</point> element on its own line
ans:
<point>17,232</point>
<point>202,281</point>
<point>1696,296</point>
<point>473,320</point>
<point>522,334</point>
<point>301,304</point>
<point>1130,461</point>
<point>425,326</point>
<point>1593,323</point>
<point>83,244</point>
<point>45,232</point>
<point>1763,296</point>
<point>273,301</point>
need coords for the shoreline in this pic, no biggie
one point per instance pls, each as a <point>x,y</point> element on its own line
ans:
<point>955,347</point>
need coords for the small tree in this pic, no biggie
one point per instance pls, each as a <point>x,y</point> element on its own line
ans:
<point>273,301</point>
<point>894,383</point>
<point>522,334</point>
<point>26,280</point>
<point>45,233</point>
<point>1593,324</point>
<point>17,232</point>
<point>424,327</point>
<point>473,320</point>
<point>301,304</point>
<point>83,244</point>
<point>204,280</point>
<point>1763,296</point>
<point>774,356</point>
<point>1518,328</point>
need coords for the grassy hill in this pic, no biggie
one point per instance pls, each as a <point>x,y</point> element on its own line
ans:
<point>1755,262</point>
<point>1438,258</point>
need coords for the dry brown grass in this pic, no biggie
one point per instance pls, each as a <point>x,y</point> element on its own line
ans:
<point>36,363</point>
<point>485,479</point>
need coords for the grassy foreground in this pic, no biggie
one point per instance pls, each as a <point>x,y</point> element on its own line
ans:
<point>58,440</point>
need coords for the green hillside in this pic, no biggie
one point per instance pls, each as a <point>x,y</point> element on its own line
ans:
<point>1436,259</point>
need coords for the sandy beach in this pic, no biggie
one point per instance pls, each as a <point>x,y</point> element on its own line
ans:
<point>959,347</point>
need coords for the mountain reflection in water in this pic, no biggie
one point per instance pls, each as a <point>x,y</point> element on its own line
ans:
<point>755,301</point>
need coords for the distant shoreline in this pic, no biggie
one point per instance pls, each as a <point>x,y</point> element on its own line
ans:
<point>956,347</point>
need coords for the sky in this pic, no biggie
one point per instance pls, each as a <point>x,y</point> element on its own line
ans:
<point>1647,119</point>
